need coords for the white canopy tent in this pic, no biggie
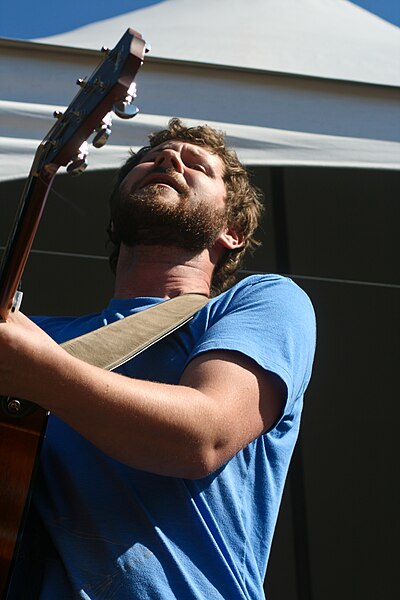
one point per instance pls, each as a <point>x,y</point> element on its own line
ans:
<point>300,82</point>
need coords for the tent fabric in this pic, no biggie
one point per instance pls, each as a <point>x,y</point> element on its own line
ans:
<point>300,82</point>
<point>320,38</point>
<point>254,145</point>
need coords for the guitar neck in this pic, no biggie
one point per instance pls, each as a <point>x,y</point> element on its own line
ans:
<point>110,87</point>
<point>21,237</point>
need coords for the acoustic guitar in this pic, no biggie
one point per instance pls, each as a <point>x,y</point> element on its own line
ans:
<point>110,88</point>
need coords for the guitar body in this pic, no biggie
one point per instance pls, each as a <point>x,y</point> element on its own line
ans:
<point>20,442</point>
<point>110,88</point>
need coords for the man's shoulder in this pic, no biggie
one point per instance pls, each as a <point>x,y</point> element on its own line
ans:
<point>268,318</point>
<point>265,301</point>
<point>265,287</point>
<point>264,280</point>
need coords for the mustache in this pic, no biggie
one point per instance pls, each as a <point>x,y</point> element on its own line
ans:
<point>168,176</point>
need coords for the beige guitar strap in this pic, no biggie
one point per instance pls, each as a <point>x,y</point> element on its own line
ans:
<point>112,345</point>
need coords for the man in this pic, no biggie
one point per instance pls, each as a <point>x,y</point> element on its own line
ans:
<point>164,480</point>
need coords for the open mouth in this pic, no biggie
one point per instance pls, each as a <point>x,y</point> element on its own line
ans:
<point>163,180</point>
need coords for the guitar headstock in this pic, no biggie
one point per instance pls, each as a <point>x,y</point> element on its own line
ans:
<point>110,88</point>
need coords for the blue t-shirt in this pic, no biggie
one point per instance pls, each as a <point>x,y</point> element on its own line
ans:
<point>120,533</point>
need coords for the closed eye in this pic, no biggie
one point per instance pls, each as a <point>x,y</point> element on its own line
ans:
<point>198,167</point>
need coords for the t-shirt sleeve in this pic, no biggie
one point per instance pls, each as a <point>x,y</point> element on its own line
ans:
<point>270,320</point>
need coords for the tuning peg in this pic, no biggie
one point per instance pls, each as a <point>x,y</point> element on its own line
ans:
<point>131,92</point>
<point>105,50</point>
<point>103,132</point>
<point>57,114</point>
<point>81,82</point>
<point>126,109</point>
<point>79,163</point>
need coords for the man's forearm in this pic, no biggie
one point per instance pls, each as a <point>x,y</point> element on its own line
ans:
<point>161,428</point>
<point>223,402</point>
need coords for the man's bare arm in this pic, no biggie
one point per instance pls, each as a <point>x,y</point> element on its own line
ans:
<point>223,401</point>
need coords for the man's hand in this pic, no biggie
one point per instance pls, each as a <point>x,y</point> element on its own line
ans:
<point>24,351</point>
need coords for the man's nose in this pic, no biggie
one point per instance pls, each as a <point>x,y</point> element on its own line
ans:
<point>169,158</point>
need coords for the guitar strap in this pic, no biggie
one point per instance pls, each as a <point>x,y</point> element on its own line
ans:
<point>113,345</point>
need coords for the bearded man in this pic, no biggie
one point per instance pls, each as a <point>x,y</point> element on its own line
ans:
<point>163,480</point>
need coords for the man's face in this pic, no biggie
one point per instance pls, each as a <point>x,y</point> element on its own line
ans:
<point>174,196</point>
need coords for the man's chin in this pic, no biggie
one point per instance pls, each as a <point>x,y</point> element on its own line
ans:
<point>159,216</point>
<point>156,194</point>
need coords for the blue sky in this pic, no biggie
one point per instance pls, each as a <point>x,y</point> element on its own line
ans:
<point>27,19</point>
<point>386,9</point>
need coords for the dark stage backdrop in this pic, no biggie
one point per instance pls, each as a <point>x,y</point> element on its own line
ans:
<point>335,231</point>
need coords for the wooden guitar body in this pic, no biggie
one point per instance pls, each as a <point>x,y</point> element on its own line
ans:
<point>20,442</point>
<point>110,88</point>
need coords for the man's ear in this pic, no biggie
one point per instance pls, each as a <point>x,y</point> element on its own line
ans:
<point>231,237</point>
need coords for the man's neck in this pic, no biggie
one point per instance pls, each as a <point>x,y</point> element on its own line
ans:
<point>162,271</point>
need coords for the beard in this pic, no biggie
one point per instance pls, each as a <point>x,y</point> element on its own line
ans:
<point>150,216</point>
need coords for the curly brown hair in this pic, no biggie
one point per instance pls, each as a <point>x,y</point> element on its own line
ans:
<point>244,201</point>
